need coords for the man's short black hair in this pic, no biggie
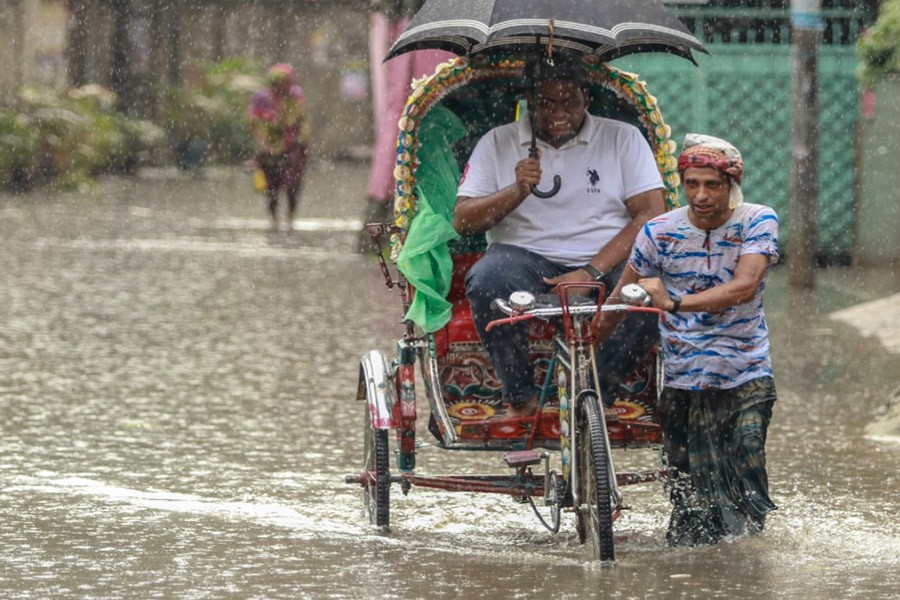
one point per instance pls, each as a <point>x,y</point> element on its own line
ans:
<point>565,64</point>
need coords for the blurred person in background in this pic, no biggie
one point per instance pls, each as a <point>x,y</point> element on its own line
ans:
<point>279,128</point>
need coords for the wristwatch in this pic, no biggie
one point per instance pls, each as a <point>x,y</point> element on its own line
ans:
<point>595,273</point>
<point>676,304</point>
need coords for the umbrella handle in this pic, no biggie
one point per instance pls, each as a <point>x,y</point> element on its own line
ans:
<point>557,180</point>
<point>533,153</point>
<point>557,183</point>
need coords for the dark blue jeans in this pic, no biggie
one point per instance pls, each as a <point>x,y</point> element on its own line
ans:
<point>505,269</point>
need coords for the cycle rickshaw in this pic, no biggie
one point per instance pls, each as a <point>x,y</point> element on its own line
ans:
<point>569,441</point>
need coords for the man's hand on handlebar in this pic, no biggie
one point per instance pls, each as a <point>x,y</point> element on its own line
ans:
<point>603,324</point>
<point>659,296</point>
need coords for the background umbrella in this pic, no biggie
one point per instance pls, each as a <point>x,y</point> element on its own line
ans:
<point>606,29</point>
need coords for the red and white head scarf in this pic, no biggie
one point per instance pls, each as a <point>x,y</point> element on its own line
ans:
<point>706,151</point>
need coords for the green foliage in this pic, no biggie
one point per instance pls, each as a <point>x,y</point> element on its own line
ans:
<point>210,116</point>
<point>879,48</point>
<point>17,146</point>
<point>66,138</point>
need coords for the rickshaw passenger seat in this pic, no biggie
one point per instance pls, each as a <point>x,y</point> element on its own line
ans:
<point>461,265</point>
<point>461,327</point>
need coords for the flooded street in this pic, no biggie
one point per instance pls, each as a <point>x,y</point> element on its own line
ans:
<point>177,391</point>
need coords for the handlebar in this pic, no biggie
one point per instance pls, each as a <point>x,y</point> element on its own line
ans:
<point>522,306</point>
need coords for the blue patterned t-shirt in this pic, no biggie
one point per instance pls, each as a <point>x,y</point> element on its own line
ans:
<point>704,350</point>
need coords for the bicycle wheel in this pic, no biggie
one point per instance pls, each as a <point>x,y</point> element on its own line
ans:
<point>377,491</point>
<point>594,516</point>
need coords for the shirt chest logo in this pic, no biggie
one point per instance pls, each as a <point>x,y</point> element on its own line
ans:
<point>593,178</point>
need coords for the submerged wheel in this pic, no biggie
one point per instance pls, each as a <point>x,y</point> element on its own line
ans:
<point>377,491</point>
<point>595,515</point>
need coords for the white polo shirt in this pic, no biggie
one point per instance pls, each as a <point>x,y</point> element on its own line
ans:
<point>607,162</point>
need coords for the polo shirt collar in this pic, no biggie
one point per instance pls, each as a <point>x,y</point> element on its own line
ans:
<point>583,136</point>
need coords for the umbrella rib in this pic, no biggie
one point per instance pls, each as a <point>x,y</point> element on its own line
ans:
<point>530,40</point>
<point>593,29</point>
<point>450,23</point>
<point>658,28</point>
<point>488,32</point>
<point>465,28</point>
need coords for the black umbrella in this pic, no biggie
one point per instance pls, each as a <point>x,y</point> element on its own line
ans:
<point>605,28</point>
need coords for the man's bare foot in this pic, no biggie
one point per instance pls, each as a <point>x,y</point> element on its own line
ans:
<point>526,409</point>
<point>610,413</point>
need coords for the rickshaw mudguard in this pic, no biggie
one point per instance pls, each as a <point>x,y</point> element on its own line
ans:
<point>375,386</point>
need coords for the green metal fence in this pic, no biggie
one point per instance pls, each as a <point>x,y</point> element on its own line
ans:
<point>768,21</point>
<point>743,93</point>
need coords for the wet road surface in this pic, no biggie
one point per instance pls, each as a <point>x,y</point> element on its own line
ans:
<point>177,393</point>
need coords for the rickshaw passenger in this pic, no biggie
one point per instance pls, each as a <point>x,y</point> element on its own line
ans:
<point>706,263</point>
<point>611,187</point>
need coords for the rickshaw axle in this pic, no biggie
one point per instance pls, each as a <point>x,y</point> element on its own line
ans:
<point>523,484</point>
<point>534,484</point>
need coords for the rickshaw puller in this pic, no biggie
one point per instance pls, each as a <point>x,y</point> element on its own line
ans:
<point>706,263</point>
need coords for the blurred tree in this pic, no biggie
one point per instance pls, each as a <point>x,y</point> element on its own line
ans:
<point>879,48</point>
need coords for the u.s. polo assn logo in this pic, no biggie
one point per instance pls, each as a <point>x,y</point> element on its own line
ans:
<point>593,179</point>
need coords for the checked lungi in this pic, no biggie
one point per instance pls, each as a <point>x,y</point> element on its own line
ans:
<point>714,448</point>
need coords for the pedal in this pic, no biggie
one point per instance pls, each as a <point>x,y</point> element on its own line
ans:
<point>522,458</point>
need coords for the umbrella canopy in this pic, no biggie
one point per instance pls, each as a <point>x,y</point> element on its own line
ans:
<point>606,28</point>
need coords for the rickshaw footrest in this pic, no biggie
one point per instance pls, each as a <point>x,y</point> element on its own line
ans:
<point>522,458</point>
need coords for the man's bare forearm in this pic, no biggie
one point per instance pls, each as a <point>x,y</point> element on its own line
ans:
<point>477,215</point>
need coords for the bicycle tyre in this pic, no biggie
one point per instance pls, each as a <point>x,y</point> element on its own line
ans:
<point>377,492</point>
<point>595,515</point>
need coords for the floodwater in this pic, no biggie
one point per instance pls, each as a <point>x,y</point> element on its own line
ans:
<point>177,392</point>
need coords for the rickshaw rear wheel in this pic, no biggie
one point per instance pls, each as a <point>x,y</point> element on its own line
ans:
<point>377,491</point>
<point>594,517</point>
